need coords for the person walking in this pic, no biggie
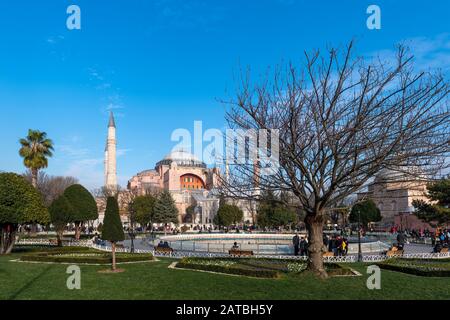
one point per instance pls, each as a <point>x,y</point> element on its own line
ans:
<point>296,243</point>
<point>401,240</point>
<point>303,247</point>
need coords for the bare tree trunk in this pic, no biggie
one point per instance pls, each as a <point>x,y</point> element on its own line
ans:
<point>7,239</point>
<point>314,225</point>
<point>113,251</point>
<point>59,235</point>
<point>34,177</point>
<point>77,230</point>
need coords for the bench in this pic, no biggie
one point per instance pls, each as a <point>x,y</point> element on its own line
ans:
<point>393,253</point>
<point>328,254</point>
<point>164,250</point>
<point>239,253</point>
<point>444,250</point>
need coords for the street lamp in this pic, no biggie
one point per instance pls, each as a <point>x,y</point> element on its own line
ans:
<point>131,229</point>
<point>360,256</point>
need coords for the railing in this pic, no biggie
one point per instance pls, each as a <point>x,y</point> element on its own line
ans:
<point>335,259</point>
<point>46,242</point>
<point>35,242</point>
<point>184,254</point>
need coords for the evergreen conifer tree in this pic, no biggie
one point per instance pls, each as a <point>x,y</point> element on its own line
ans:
<point>112,229</point>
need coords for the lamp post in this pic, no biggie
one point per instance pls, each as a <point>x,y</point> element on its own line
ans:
<point>360,256</point>
<point>131,229</point>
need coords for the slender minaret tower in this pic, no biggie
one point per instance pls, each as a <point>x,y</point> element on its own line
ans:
<point>110,155</point>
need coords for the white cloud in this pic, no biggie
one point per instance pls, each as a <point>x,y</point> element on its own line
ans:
<point>122,152</point>
<point>429,52</point>
<point>88,171</point>
<point>72,152</point>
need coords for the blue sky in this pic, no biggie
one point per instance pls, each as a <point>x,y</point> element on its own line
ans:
<point>160,65</point>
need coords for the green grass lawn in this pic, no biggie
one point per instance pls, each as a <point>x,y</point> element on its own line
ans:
<point>153,280</point>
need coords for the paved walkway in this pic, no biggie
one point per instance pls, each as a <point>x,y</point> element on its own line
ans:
<point>411,248</point>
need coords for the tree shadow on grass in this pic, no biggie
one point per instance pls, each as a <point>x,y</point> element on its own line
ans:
<point>29,283</point>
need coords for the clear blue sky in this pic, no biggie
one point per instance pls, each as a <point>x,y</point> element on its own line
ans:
<point>162,64</point>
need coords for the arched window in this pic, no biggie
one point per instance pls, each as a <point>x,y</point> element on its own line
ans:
<point>394,205</point>
<point>380,205</point>
<point>191,182</point>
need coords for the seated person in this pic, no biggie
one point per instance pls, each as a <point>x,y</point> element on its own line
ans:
<point>160,244</point>
<point>166,244</point>
<point>235,246</point>
<point>437,247</point>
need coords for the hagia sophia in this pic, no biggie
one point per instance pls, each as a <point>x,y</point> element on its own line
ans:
<point>193,184</point>
<point>189,180</point>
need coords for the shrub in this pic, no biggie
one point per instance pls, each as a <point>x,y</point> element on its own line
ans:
<point>20,203</point>
<point>230,270</point>
<point>425,267</point>
<point>83,204</point>
<point>82,255</point>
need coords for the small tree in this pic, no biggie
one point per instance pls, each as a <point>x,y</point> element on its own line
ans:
<point>51,187</point>
<point>112,229</point>
<point>190,214</point>
<point>365,212</point>
<point>273,211</point>
<point>20,203</point>
<point>61,212</point>
<point>35,150</point>
<point>144,208</point>
<point>228,215</point>
<point>165,209</point>
<point>438,209</point>
<point>283,216</point>
<point>84,205</point>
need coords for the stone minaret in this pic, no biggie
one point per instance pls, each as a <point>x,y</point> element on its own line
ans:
<point>110,155</point>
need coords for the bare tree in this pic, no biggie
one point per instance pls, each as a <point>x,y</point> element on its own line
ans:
<point>51,187</point>
<point>340,121</point>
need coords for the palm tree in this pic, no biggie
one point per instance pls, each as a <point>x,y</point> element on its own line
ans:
<point>35,151</point>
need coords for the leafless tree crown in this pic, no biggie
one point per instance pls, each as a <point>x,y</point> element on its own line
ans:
<point>342,120</point>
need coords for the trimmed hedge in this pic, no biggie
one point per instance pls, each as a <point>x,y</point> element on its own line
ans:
<point>86,255</point>
<point>230,270</point>
<point>263,268</point>
<point>414,271</point>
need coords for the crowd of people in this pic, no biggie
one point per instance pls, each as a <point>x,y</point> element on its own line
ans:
<point>440,240</point>
<point>300,245</point>
<point>336,244</point>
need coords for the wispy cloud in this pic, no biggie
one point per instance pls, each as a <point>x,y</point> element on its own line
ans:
<point>429,52</point>
<point>122,152</point>
<point>57,47</point>
<point>55,39</point>
<point>88,171</point>
<point>72,152</point>
<point>185,14</point>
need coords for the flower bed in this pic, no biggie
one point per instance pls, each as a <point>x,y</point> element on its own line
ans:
<point>82,256</point>
<point>262,268</point>
<point>419,267</point>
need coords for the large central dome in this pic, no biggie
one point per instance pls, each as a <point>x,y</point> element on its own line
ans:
<point>182,158</point>
<point>181,155</point>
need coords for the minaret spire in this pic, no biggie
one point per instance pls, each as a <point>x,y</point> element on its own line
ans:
<point>112,123</point>
<point>110,154</point>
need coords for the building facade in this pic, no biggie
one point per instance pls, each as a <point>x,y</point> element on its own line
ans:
<point>189,180</point>
<point>393,193</point>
